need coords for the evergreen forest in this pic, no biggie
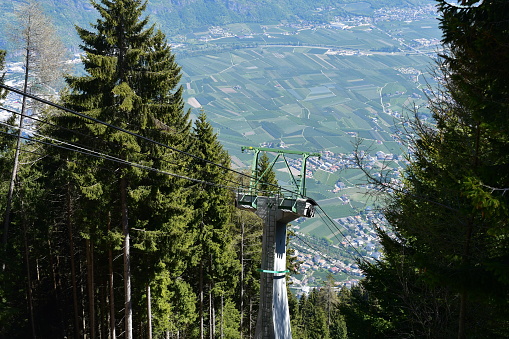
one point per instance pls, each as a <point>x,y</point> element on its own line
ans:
<point>118,210</point>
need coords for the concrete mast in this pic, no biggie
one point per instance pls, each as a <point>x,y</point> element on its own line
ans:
<point>276,211</point>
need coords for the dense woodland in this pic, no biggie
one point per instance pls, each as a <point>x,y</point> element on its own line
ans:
<point>119,223</point>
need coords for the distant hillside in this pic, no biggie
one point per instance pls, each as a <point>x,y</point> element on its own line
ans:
<point>179,16</point>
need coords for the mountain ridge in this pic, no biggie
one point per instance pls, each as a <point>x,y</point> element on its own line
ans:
<point>178,16</point>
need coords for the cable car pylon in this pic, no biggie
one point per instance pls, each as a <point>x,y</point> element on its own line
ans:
<point>276,210</point>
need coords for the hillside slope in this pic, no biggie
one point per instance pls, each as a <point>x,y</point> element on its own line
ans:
<point>178,16</point>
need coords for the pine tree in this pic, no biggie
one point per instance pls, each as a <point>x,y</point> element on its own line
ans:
<point>249,229</point>
<point>131,82</point>
<point>12,298</point>
<point>266,177</point>
<point>30,257</point>
<point>217,267</point>
<point>450,219</point>
<point>314,317</point>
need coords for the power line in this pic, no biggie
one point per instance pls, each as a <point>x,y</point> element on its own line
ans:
<point>109,157</point>
<point>86,151</point>
<point>89,151</point>
<point>104,141</point>
<point>84,116</point>
<point>146,139</point>
<point>360,256</point>
<point>107,142</point>
<point>317,250</point>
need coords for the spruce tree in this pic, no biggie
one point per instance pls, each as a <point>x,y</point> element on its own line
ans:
<point>267,177</point>
<point>314,317</point>
<point>249,229</point>
<point>450,219</point>
<point>131,82</point>
<point>217,266</point>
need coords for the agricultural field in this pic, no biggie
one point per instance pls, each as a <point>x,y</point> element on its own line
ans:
<point>318,88</point>
<point>330,81</point>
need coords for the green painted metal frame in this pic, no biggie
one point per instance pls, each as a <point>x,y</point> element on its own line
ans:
<point>255,180</point>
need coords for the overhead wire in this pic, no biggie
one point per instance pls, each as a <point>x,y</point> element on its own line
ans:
<point>107,142</point>
<point>331,221</point>
<point>103,155</point>
<point>86,151</point>
<point>96,154</point>
<point>315,249</point>
<point>84,116</point>
<point>104,141</point>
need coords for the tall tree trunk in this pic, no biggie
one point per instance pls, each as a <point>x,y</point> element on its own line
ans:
<point>29,279</point>
<point>90,286</point>
<point>250,318</point>
<point>211,316</point>
<point>241,278</point>
<point>83,299</point>
<point>222,316</point>
<point>127,261</point>
<point>149,313</point>
<point>201,301</point>
<point>111,293</point>
<point>14,173</point>
<point>73,264</point>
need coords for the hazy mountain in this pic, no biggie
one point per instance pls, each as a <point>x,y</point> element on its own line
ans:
<point>178,16</point>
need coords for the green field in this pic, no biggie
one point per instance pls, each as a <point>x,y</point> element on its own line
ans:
<point>311,89</point>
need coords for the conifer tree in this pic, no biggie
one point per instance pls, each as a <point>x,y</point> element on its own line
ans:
<point>249,229</point>
<point>267,177</point>
<point>450,220</point>
<point>31,250</point>
<point>42,51</point>
<point>314,318</point>
<point>217,266</point>
<point>8,303</point>
<point>131,82</point>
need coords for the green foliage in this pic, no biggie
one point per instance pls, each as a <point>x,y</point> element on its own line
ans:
<point>322,314</point>
<point>441,274</point>
<point>175,306</point>
<point>248,227</point>
<point>266,176</point>
<point>131,81</point>
<point>215,271</point>
<point>229,320</point>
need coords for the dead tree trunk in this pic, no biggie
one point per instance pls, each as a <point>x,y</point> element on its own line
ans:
<point>14,173</point>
